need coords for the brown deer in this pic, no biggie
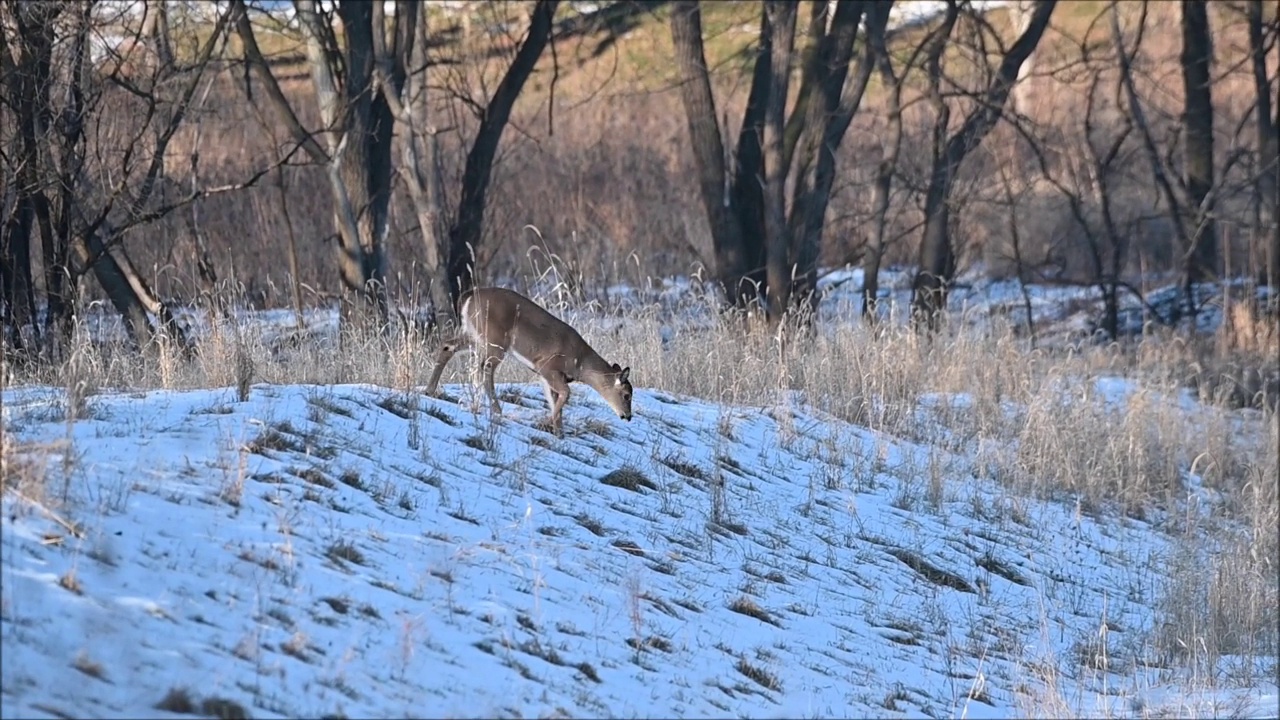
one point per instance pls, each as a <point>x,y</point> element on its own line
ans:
<point>497,322</point>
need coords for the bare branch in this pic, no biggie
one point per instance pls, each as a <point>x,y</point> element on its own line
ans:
<point>256,62</point>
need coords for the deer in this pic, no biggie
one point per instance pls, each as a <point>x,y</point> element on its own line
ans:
<point>496,322</point>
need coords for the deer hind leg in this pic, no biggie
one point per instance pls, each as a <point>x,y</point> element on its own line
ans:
<point>557,386</point>
<point>443,356</point>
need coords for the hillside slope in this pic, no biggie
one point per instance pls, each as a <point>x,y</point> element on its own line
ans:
<point>335,550</point>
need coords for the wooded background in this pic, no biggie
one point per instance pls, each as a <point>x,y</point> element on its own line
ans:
<point>388,155</point>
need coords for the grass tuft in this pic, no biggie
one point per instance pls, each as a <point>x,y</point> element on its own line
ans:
<point>628,478</point>
<point>746,606</point>
<point>762,677</point>
<point>343,551</point>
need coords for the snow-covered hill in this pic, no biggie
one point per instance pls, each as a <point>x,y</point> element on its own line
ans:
<point>365,552</point>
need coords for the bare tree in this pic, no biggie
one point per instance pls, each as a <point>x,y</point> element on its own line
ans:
<point>1190,196</point>
<point>937,264</point>
<point>760,242</point>
<point>1087,178</point>
<point>781,16</point>
<point>735,247</point>
<point>1021,12</point>
<point>155,29</point>
<point>1201,259</point>
<point>882,189</point>
<point>465,231</point>
<point>1267,125</point>
<point>358,82</point>
<point>82,204</point>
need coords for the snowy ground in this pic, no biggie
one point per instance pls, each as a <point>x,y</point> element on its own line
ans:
<point>363,552</point>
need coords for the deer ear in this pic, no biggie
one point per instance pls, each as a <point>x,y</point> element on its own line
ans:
<point>617,367</point>
<point>624,374</point>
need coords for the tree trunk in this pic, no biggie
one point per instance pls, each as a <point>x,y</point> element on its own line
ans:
<point>731,263</point>
<point>16,287</point>
<point>1268,139</point>
<point>782,18</point>
<point>93,254</point>
<point>464,236</point>
<point>345,111</point>
<point>881,190</point>
<point>364,163</point>
<point>155,28</point>
<point>745,189</point>
<point>28,80</point>
<point>937,262</point>
<point>830,126</point>
<point>937,255</point>
<point>1197,55</point>
<point>421,153</point>
<point>816,50</point>
<point>61,283</point>
<point>1020,12</point>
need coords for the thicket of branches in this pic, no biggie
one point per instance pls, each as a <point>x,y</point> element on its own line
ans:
<point>406,151</point>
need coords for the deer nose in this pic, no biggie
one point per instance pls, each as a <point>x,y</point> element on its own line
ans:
<point>627,417</point>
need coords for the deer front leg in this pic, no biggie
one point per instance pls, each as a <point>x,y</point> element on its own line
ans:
<point>551,394</point>
<point>558,386</point>
<point>490,365</point>
<point>446,353</point>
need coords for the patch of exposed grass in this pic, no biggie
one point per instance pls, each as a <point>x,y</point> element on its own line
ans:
<point>396,406</point>
<point>478,442</point>
<point>351,478</point>
<point>337,604</point>
<point>224,709</point>
<point>272,439</point>
<point>628,478</point>
<point>688,604</point>
<point>746,606</point>
<point>440,415</point>
<point>762,677</point>
<point>344,551</point>
<point>656,642</point>
<point>460,514</point>
<point>994,566</point>
<point>679,465</point>
<point>296,646</point>
<point>177,700</point>
<point>932,573</point>
<point>589,671</point>
<point>89,666</point>
<point>406,501</point>
<point>314,476</point>
<point>665,568</point>
<point>629,546</point>
<point>264,561</point>
<point>327,405</point>
<point>591,524</point>
<point>70,581</point>
<point>598,427</point>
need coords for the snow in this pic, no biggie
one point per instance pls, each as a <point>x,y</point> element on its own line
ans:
<point>359,551</point>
